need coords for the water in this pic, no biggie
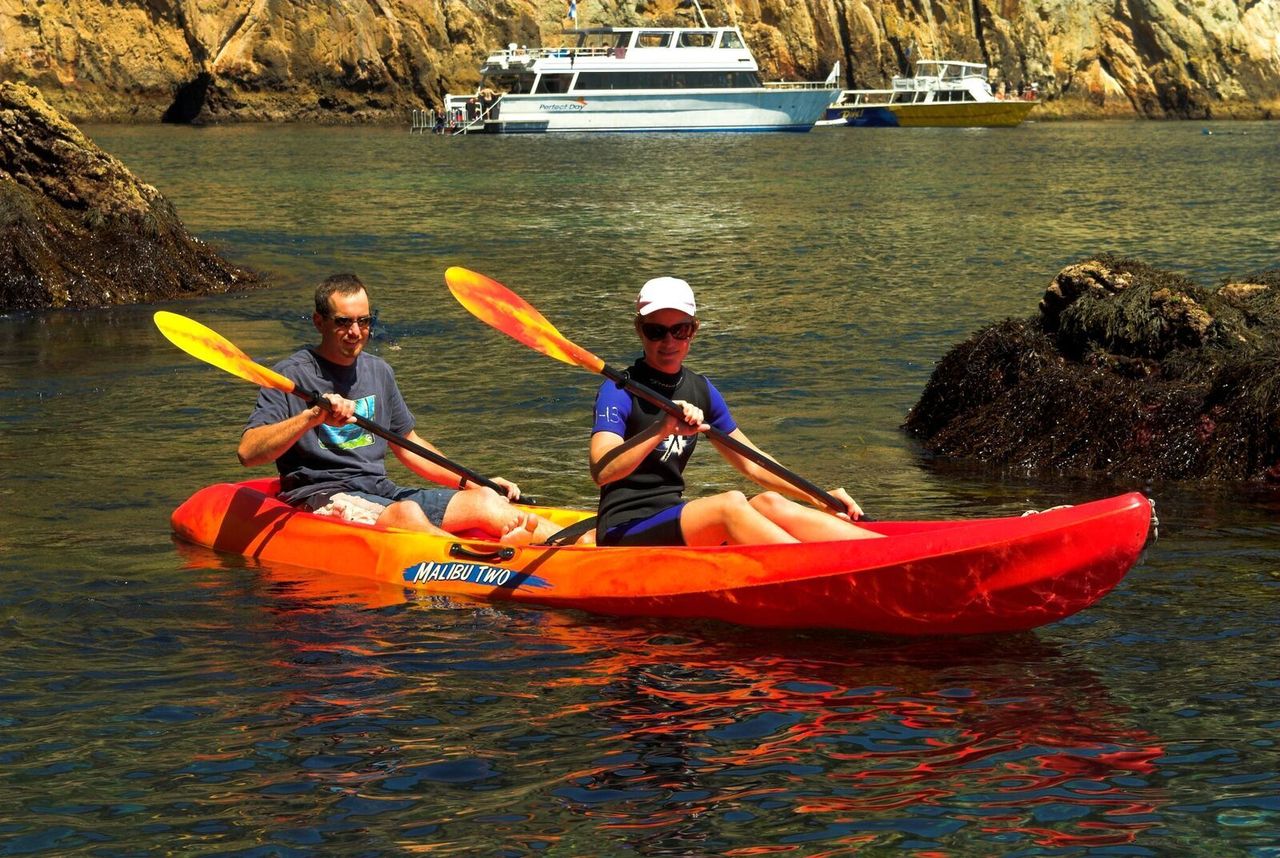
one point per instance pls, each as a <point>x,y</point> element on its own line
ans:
<point>156,698</point>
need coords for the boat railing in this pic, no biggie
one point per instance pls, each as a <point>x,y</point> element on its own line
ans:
<point>832,82</point>
<point>916,84</point>
<point>517,57</point>
<point>879,97</point>
<point>461,115</point>
<point>421,121</point>
<point>797,84</point>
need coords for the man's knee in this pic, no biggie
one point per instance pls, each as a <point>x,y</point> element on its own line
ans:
<point>482,506</point>
<point>403,512</point>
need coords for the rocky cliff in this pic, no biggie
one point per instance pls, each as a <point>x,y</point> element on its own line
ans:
<point>77,229</point>
<point>373,60</point>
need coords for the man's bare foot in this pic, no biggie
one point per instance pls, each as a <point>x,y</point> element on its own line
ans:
<point>522,532</point>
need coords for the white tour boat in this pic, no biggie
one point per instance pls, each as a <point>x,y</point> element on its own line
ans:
<point>942,92</point>
<point>650,78</point>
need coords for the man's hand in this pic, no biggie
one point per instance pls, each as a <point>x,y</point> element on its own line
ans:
<point>513,490</point>
<point>336,411</point>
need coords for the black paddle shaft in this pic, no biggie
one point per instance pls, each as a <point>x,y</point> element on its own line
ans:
<point>625,381</point>
<point>316,399</point>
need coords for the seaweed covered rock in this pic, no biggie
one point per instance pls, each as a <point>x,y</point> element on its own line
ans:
<point>77,229</point>
<point>1127,371</point>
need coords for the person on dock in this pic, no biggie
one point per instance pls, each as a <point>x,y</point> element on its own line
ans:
<point>639,452</point>
<point>328,464</point>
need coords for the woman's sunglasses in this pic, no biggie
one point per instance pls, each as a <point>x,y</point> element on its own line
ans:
<point>656,333</point>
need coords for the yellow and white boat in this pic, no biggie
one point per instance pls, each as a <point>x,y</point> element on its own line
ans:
<point>942,93</point>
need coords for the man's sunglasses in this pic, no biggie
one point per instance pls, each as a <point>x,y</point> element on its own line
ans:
<point>656,333</point>
<point>344,322</point>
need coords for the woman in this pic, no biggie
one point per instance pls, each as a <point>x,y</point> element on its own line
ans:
<point>639,452</point>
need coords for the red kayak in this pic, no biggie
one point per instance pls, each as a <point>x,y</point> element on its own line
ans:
<point>924,578</point>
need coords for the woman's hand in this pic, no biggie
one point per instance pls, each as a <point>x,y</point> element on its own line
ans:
<point>853,512</point>
<point>689,423</point>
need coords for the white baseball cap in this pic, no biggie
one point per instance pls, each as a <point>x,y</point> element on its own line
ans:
<point>666,293</point>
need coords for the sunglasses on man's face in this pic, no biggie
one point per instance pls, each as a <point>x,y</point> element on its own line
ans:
<point>344,322</point>
<point>656,333</point>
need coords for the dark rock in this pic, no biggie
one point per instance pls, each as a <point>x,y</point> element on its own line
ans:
<point>77,229</point>
<point>1128,371</point>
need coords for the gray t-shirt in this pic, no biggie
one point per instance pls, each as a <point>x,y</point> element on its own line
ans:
<point>335,458</point>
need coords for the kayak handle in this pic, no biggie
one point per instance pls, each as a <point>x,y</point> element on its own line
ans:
<point>506,552</point>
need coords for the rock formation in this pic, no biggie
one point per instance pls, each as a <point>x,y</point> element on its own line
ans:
<point>374,60</point>
<point>78,230</point>
<point>1127,371</point>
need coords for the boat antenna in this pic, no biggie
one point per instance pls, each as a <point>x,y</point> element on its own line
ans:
<point>701,17</point>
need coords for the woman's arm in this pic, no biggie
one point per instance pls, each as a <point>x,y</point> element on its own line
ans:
<point>613,457</point>
<point>768,480</point>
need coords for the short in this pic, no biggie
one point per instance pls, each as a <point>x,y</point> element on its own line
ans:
<point>433,502</point>
<point>661,528</point>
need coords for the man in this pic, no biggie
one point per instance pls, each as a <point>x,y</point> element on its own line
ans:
<point>328,464</point>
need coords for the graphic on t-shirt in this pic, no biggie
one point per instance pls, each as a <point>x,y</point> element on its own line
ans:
<point>351,436</point>
<point>673,445</point>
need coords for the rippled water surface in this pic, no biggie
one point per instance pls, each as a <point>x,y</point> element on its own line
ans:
<point>156,698</point>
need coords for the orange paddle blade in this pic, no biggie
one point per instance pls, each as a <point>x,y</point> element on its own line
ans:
<point>497,306</point>
<point>213,348</point>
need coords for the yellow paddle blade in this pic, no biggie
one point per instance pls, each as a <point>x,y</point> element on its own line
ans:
<point>497,306</point>
<point>213,348</point>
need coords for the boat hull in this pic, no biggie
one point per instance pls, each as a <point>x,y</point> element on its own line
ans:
<point>923,578</point>
<point>991,114</point>
<point>767,109</point>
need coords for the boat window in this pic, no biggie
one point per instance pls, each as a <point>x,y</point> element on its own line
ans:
<point>697,39</point>
<point>554,83</point>
<point>653,39</point>
<point>667,80</point>
<point>514,83</point>
<point>731,39</point>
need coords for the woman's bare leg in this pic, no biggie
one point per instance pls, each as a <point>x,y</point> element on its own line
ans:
<point>806,523</point>
<point>728,517</point>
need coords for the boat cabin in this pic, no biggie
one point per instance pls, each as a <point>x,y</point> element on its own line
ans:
<point>943,81</point>
<point>625,58</point>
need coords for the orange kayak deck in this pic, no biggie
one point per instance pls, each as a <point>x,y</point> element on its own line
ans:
<point>924,578</point>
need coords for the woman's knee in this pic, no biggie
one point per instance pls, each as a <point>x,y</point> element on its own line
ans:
<point>769,504</point>
<point>733,501</point>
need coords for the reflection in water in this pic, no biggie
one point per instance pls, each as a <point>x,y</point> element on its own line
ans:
<point>964,745</point>
<point>684,737</point>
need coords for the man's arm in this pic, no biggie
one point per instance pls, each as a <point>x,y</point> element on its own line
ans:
<point>443,476</point>
<point>425,468</point>
<point>262,444</point>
